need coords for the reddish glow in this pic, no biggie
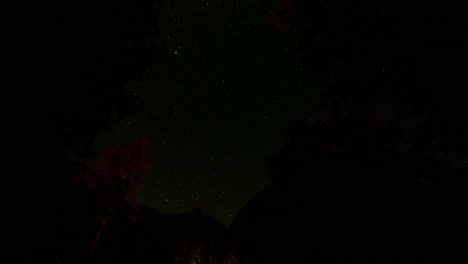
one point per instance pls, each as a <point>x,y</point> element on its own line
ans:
<point>113,176</point>
<point>116,171</point>
<point>283,15</point>
<point>98,235</point>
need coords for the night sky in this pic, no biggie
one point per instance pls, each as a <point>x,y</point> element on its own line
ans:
<point>227,77</point>
<point>213,106</point>
<point>214,86</point>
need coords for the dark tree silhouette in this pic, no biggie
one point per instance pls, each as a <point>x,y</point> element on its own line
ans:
<point>65,65</point>
<point>340,192</point>
<point>112,179</point>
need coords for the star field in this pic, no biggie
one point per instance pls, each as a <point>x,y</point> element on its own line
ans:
<point>213,106</point>
<point>215,87</point>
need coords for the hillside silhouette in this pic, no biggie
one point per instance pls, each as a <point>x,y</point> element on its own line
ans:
<point>337,193</point>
